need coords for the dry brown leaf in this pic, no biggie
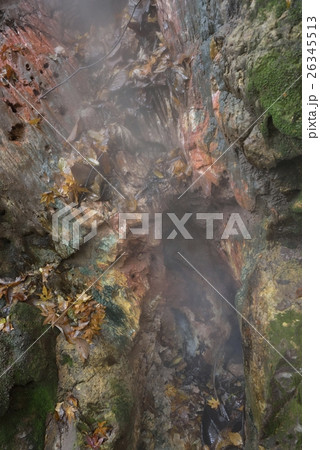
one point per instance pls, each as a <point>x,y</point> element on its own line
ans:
<point>45,271</point>
<point>50,314</point>
<point>76,130</point>
<point>9,72</point>
<point>82,347</point>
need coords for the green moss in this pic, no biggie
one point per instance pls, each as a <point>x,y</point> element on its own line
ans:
<point>66,359</point>
<point>26,318</point>
<point>107,294</point>
<point>30,406</point>
<point>121,402</point>
<point>295,12</point>
<point>268,79</point>
<point>282,426</point>
<point>286,332</point>
<point>266,6</point>
<point>31,384</point>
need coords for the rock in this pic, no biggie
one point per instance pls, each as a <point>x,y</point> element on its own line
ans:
<point>32,381</point>
<point>256,150</point>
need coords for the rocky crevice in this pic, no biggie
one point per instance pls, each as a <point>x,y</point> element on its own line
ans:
<point>168,102</point>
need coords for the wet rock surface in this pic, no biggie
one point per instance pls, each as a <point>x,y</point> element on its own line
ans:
<point>165,368</point>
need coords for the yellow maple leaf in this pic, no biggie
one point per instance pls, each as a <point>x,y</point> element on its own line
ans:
<point>213,403</point>
<point>71,187</point>
<point>46,294</point>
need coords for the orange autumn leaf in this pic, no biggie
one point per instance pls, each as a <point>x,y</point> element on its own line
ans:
<point>102,429</point>
<point>70,411</point>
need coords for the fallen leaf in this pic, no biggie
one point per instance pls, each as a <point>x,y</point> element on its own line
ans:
<point>71,187</point>
<point>48,197</point>
<point>70,411</point>
<point>235,439</point>
<point>97,135</point>
<point>49,312</point>
<point>73,400</point>
<point>82,347</point>
<point>158,174</point>
<point>227,438</point>
<point>9,72</point>
<point>76,130</point>
<point>59,411</point>
<point>45,271</point>
<point>102,429</point>
<point>2,323</point>
<point>6,287</point>
<point>46,294</point>
<point>213,403</point>
<point>7,326</point>
<point>35,121</point>
<point>94,442</point>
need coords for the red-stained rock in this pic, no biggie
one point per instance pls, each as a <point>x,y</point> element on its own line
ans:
<point>199,158</point>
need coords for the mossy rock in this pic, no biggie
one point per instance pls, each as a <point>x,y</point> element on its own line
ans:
<point>265,7</point>
<point>284,423</point>
<point>28,390</point>
<point>121,402</point>
<point>270,76</point>
<point>30,406</point>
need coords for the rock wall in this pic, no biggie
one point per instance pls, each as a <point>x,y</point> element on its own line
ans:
<point>244,56</point>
